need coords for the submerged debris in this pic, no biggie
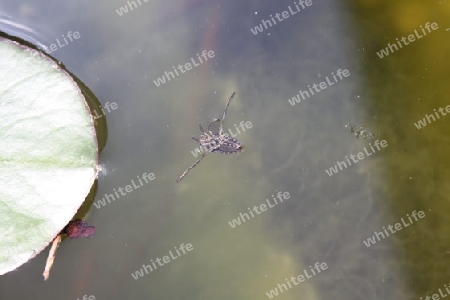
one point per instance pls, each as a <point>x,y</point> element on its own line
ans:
<point>78,229</point>
<point>75,229</point>
<point>360,132</point>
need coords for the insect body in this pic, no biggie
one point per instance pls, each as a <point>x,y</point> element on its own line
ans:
<point>215,142</point>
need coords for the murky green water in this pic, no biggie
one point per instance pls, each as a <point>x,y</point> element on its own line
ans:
<point>327,219</point>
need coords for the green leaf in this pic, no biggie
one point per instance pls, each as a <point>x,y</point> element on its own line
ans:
<point>48,152</point>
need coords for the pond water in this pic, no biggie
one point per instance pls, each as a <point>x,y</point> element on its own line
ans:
<point>341,107</point>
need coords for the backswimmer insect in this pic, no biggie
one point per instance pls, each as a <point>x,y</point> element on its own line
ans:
<point>215,142</point>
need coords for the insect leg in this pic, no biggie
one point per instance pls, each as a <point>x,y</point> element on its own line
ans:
<point>201,128</point>
<point>215,121</point>
<point>191,167</point>
<point>224,113</point>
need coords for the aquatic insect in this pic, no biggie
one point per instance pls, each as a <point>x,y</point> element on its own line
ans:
<point>215,142</point>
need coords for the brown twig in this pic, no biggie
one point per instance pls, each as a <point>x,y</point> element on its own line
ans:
<point>51,256</point>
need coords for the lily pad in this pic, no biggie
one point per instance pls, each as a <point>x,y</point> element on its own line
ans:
<point>48,152</point>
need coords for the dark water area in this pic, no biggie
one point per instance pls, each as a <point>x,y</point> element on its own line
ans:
<point>343,115</point>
